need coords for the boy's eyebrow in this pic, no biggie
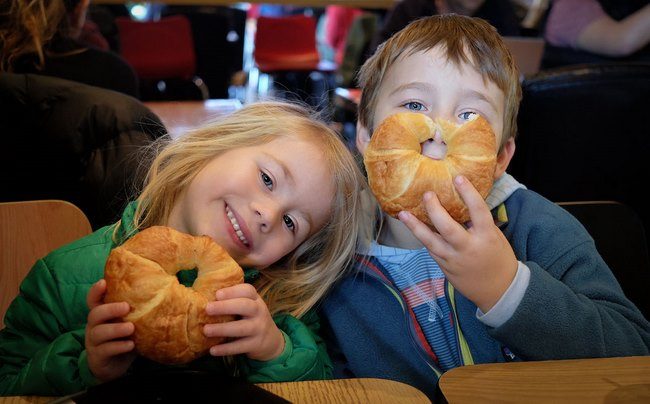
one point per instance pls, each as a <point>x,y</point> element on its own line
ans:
<point>480,96</point>
<point>417,85</point>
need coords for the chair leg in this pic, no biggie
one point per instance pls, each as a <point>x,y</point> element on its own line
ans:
<point>252,85</point>
<point>265,85</point>
<point>200,84</point>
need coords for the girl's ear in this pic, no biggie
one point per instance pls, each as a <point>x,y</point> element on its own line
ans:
<point>504,157</point>
<point>363,138</point>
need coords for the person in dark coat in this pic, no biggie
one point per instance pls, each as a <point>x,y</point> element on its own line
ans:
<point>71,141</point>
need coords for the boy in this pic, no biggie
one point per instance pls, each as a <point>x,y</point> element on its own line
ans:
<point>523,282</point>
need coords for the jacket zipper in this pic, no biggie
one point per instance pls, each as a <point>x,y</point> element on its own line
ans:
<point>409,323</point>
<point>464,352</point>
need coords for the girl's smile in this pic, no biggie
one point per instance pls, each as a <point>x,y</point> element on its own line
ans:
<point>259,202</point>
<point>238,231</point>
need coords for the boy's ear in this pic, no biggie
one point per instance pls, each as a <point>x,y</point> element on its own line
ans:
<point>504,157</point>
<point>363,138</point>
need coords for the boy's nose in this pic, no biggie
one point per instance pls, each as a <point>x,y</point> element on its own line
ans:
<point>437,137</point>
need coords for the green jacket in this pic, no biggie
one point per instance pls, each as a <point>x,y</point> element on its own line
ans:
<point>42,345</point>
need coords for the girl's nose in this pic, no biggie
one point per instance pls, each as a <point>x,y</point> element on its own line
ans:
<point>267,212</point>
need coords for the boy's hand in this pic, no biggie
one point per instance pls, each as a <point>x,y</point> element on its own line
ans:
<point>256,334</point>
<point>478,261</point>
<point>109,352</point>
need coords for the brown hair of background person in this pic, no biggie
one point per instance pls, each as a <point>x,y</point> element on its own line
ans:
<point>30,25</point>
<point>42,37</point>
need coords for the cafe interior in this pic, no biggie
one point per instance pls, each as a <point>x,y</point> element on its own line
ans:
<point>583,141</point>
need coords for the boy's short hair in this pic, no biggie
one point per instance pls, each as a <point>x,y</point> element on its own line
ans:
<point>466,40</point>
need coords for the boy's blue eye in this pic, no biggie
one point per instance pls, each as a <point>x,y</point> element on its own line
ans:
<point>289,222</point>
<point>266,180</point>
<point>414,106</point>
<point>468,116</point>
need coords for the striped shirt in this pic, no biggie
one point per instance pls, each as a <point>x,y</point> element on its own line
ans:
<point>420,280</point>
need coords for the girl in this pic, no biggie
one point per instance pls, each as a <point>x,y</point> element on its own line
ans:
<point>276,188</point>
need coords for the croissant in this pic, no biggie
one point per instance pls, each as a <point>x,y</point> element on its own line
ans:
<point>168,316</point>
<point>399,174</point>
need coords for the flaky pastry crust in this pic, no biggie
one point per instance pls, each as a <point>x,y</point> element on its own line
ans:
<point>168,316</point>
<point>399,174</point>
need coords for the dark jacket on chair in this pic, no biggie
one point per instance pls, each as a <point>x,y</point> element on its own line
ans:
<point>67,140</point>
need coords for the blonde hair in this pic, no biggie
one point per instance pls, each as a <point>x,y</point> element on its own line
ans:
<point>465,40</point>
<point>298,281</point>
<point>28,26</point>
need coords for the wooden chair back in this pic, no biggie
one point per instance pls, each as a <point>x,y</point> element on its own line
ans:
<point>28,231</point>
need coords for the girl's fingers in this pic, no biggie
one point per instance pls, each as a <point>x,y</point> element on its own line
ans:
<point>107,312</point>
<point>239,346</point>
<point>478,211</point>
<point>237,307</point>
<point>106,332</point>
<point>242,290</point>
<point>115,348</point>
<point>95,295</point>
<point>238,328</point>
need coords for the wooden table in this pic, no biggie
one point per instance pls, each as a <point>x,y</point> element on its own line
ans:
<point>608,380</point>
<point>321,391</point>
<point>178,116</point>
<point>377,4</point>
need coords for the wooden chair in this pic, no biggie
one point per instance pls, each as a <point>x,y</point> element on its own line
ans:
<point>28,231</point>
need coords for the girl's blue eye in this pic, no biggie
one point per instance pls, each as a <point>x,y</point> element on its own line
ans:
<point>468,116</point>
<point>266,180</point>
<point>414,106</point>
<point>289,222</point>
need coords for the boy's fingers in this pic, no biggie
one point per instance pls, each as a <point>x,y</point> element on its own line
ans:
<point>95,295</point>
<point>478,211</point>
<point>106,312</point>
<point>450,230</point>
<point>432,241</point>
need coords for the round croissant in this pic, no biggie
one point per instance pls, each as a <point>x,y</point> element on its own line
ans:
<point>168,316</point>
<point>399,174</point>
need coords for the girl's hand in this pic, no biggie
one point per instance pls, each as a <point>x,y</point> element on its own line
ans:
<point>256,334</point>
<point>478,260</point>
<point>109,352</point>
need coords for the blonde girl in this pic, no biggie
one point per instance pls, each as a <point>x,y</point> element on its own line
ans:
<point>270,183</point>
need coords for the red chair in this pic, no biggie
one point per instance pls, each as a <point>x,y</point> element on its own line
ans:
<point>160,50</point>
<point>284,44</point>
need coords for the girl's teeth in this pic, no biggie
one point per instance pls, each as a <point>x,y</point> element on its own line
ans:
<point>235,225</point>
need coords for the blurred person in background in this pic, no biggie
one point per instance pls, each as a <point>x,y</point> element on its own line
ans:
<point>45,37</point>
<point>338,20</point>
<point>500,13</point>
<point>590,31</point>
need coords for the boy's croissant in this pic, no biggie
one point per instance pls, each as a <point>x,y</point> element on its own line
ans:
<point>399,174</point>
